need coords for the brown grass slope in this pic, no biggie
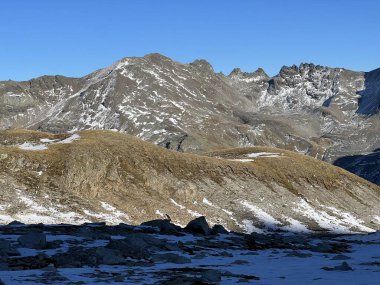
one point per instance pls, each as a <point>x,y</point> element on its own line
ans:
<point>145,181</point>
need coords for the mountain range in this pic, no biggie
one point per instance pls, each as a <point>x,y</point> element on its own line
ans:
<point>328,113</point>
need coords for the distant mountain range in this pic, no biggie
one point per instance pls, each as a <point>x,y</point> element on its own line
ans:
<point>328,113</point>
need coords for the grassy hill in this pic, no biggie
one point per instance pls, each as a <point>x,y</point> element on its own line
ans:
<point>113,177</point>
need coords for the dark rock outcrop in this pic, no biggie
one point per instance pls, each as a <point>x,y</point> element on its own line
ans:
<point>198,226</point>
<point>33,240</point>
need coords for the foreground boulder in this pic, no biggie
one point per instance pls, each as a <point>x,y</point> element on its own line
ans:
<point>75,257</point>
<point>5,246</point>
<point>342,267</point>
<point>198,226</point>
<point>211,277</point>
<point>33,240</point>
<point>171,258</point>
<point>16,223</point>
<point>109,256</point>
<point>29,262</point>
<point>164,226</point>
<point>131,247</point>
<point>140,245</point>
<point>219,229</point>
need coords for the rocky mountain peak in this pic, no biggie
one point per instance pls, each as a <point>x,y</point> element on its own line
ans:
<point>287,70</point>
<point>202,65</point>
<point>261,71</point>
<point>258,75</point>
<point>302,69</point>
<point>156,57</point>
<point>235,72</point>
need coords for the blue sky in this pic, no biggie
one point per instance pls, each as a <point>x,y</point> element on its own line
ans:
<point>76,37</point>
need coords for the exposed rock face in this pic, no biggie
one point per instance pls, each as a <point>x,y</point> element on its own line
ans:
<point>324,112</point>
<point>250,84</point>
<point>111,177</point>
<point>366,165</point>
<point>369,101</point>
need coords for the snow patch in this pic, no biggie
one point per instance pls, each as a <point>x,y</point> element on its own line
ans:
<point>46,142</point>
<point>263,154</point>
<point>109,218</point>
<point>70,139</point>
<point>158,212</point>
<point>250,228</point>
<point>194,213</point>
<point>10,94</point>
<point>227,212</point>
<point>116,215</point>
<point>178,205</point>
<point>38,213</point>
<point>242,159</point>
<point>29,146</point>
<point>44,212</point>
<point>342,223</point>
<point>191,212</point>
<point>295,226</point>
<point>350,220</point>
<point>264,217</point>
<point>207,202</point>
<point>376,219</point>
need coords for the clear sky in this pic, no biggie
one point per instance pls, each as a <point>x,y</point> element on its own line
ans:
<point>76,37</point>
